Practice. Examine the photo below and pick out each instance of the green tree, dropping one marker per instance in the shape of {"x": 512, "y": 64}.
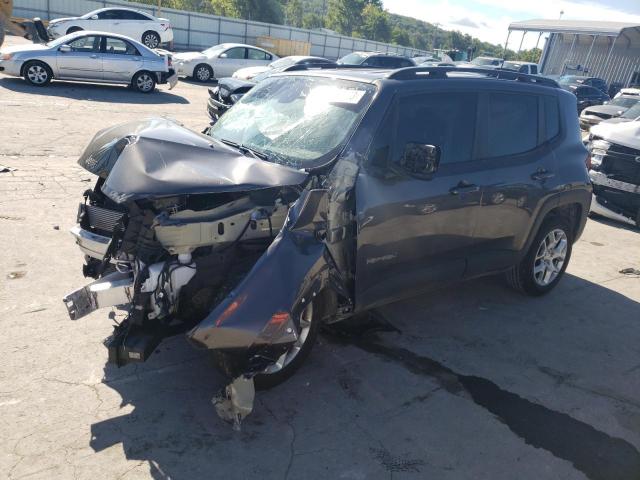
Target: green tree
{"x": 400, "y": 37}
{"x": 294, "y": 13}
{"x": 312, "y": 20}
{"x": 344, "y": 16}
{"x": 375, "y": 24}
{"x": 224, "y": 8}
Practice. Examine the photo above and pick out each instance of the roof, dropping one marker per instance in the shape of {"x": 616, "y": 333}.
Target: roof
{"x": 587, "y": 27}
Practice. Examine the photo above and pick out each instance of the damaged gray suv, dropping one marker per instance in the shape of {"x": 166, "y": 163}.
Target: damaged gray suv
{"x": 320, "y": 195}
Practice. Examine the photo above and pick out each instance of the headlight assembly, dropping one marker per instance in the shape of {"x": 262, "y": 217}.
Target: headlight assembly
{"x": 598, "y": 149}
{"x": 6, "y": 56}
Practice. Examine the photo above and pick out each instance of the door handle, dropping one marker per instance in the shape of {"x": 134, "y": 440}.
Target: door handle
{"x": 464, "y": 187}
{"x": 542, "y": 174}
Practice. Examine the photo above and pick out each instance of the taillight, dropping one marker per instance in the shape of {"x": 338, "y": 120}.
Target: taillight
{"x": 169, "y": 61}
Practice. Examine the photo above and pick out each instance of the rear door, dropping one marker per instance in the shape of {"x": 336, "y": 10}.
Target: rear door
{"x": 110, "y": 21}
{"x": 134, "y": 24}
{"x": 120, "y": 59}
{"x": 414, "y": 230}
{"x": 516, "y": 171}
{"x": 256, "y": 57}
{"x": 84, "y": 61}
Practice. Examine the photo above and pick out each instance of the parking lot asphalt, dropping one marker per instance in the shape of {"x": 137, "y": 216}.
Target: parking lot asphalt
{"x": 472, "y": 382}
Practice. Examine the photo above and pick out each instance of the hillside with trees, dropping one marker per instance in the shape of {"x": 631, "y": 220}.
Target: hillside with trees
{"x": 358, "y": 18}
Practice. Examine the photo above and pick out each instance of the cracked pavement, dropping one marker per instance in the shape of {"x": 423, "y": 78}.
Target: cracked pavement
{"x": 475, "y": 381}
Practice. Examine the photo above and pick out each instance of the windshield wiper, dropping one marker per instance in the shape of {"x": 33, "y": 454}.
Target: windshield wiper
{"x": 244, "y": 150}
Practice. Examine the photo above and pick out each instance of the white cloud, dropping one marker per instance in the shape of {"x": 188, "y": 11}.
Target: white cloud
{"x": 493, "y": 28}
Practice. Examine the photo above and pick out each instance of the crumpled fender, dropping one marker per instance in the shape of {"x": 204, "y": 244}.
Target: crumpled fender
{"x": 295, "y": 267}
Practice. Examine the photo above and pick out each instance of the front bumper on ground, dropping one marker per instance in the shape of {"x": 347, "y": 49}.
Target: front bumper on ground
{"x": 110, "y": 290}
{"x": 91, "y": 244}
{"x": 170, "y": 77}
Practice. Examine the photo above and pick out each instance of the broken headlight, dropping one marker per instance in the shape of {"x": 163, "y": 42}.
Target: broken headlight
{"x": 598, "y": 149}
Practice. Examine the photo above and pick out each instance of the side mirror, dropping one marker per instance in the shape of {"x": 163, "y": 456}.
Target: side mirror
{"x": 94, "y": 17}
{"x": 420, "y": 158}
{"x": 64, "y": 48}
{"x": 223, "y": 55}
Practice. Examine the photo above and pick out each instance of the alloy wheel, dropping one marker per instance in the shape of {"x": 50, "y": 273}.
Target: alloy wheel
{"x": 150, "y": 40}
{"x": 203, "y": 74}
{"x": 37, "y": 74}
{"x": 550, "y": 257}
{"x": 305, "y": 326}
{"x": 144, "y": 82}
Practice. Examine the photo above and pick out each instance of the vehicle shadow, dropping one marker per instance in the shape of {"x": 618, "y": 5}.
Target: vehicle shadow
{"x": 197, "y": 83}
{"x": 96, "y": 92}
{"x": 362, "y": 402}
{"x": 612, "y": 223}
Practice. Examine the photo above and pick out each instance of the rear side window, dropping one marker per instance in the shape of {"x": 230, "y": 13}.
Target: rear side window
{"x": 257, "y": 54}
{"x": 534, "y": 69}
{"x": 512, "y": 124}
{"x": 112, "y": 15}
{"x": 128, "y": 15}
{"x": 444, "y": 120}
{"x": 551, "y": 117}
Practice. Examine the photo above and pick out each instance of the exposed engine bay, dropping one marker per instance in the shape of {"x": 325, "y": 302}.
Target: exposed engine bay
{"x": 172, "y": 251}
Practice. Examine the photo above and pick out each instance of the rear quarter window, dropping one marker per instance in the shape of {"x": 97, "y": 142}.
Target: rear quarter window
{"x": 551, "y": 117}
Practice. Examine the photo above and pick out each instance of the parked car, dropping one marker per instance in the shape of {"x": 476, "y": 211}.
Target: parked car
{"x": 593, "y": 115}
{"x": 375, "y": 60}
{"x": 90, "y": 57}
{"x": 595, "y": 82}
{"x": 137, "y": 24}
{"x": 629, "y": 115}
{"x": 221, "y": 61}
{"x": 529, "y": 68}
{"x": 320, "y": 195}
{"x": 586, "y": 96}
{"x": 229, "y": 91}
{"x": 615, "y": 171}
{"x": 482, "y": 62}
{"x": 633, "y": 91}
{"x": 279, "y": 66}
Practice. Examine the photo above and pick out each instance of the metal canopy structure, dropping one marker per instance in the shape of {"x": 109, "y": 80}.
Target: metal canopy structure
{"x": 580, "y": 27}
{"x": 610, "y": 50}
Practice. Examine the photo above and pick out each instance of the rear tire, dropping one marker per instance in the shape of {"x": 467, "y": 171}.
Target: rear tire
{"x": 265, "y": 381}
{"x": 151, "y": 39}
{"x": 144, "y": 82}
{"x": 37, "y": 73}
{"x": 546, "y": 261}
{"x": 203, "y": 73}
{"x": 73, "y": 30}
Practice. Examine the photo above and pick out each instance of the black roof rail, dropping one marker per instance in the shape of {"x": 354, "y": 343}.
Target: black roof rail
{"x": 413, "y": 73}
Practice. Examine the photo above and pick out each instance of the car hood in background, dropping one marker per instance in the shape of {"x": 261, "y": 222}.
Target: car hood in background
{"x": 189, "y": 56}
{"x": 617, "y": 120}
{"x": 250, "y": 72}
{"x": 24, "y": 48}
{"x": 158, "y": 157}
{"x": 61, "y": 20}
{"x": 625, "y": 134}
{"x": 613, "y": 110}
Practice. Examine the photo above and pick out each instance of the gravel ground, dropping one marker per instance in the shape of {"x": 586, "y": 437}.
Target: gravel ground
{"x": 471, "y": 382}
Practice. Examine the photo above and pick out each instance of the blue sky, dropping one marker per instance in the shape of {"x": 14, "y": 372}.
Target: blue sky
{"x": 489, "y": 19}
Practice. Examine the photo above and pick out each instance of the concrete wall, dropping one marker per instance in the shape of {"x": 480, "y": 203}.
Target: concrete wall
{"x": 196, "y": 31}
{"x": 613, "y": 59}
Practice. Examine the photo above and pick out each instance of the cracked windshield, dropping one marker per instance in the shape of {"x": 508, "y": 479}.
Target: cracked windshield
{"x": 297, "y": 121}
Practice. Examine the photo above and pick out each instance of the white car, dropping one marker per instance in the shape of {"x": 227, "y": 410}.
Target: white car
{"x": 135, "y": 24}
{"x": 221, "y": 61}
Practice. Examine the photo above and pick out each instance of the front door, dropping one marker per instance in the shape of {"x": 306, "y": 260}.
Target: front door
{"x": 120, "y": 60}
{"x": 230, "y": 61}
{"x": 84, "y": 61}
{"x": 414, "y": 231}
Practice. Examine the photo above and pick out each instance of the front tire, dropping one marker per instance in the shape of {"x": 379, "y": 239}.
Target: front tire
{"x": 151, "y": 39}
{"x": 143, "y": 82}
{"x": 547, "y": 259}
{"x": 203, "y": 73}
{"x": 37, "y": 73}
{"x": 293, "y": 359}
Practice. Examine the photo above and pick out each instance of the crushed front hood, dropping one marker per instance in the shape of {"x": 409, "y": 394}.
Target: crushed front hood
{"x": 625, "y": 134}
{"x": 158, "y": 157}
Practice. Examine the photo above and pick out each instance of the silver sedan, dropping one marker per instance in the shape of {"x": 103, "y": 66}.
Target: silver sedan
{"x": 90, "y": 57}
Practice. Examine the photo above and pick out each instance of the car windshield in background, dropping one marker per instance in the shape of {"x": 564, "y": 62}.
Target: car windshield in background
{"x": 283, "y": 62}
{"x": 569, "y": 79}
{"x": 352, "y": 59}
{"x": 484, "y": 62}
{"x": 294, "y": 120}
{"x": 624, "y": 102}
{"x": 633, "y": 112}
{"x": 61, "y": 41}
